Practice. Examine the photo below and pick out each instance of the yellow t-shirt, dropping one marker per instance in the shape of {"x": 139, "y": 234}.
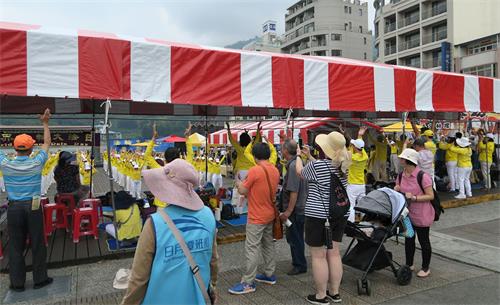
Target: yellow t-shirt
{"x": 272, "y": 159}
{"x": 394, "y": 149}
{"x": 242, "y": 161}
{"x": 380, "y": 149}
{"x": 486, "y": 150}
{"x": 430, "y": 145}
{"x": 357, "y": 168}
{"x": 450, "y": 155}
{"x": 464, "y": 156}
{"x": 129, "y": 222}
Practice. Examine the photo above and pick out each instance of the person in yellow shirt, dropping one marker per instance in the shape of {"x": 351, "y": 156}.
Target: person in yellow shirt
{"x": 379, "y": 170}
{"x": 128, "y": 219}
{"x": 356, "y": 187}
{"x": 429, "y": 144}
{"x": 486, "y": 147}
{"x": 2, "y": 184}
{"x": 464, "y": 162}
{"x": 48, "y": 173}
{"x": 151, "y": 163}
{"x": 243, "y": 163}
{"x": 451, "y": 162}
{"x": 135, "y": 176}
{"x": 216, "y": 175}
{"x": 395, "y": 163}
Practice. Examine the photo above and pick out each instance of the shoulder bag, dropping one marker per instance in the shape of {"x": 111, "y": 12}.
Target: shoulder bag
{"x": 277, "y": 225}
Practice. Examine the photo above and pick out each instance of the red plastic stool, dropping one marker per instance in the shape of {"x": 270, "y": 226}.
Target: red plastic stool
{"x": 44, "y": 201}
{"x": 61, "y": 221}
{"x": 90, "y": 228}
{"x": 94, "y": 203}
{"x": 68, "y": 200}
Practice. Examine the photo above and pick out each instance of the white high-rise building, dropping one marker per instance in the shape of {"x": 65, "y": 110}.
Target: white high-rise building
{"x": 268, "y": 42}
{"x": 328, "y": 28}
{"x": 450, "y": 35}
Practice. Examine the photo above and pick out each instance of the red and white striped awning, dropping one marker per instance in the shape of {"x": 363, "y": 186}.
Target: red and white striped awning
{"x": 271, "y": 129}
{"x": 46, "y": 62}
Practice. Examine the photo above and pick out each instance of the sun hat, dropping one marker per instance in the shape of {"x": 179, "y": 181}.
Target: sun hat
{"x": 358, "y": 143}
{"x": 23, "y": 142}
{"x": 121, "y": 279}
{"x": 410, "y": 155}
{"x": 331, "y": 143}
{"x": 463, "y": 142}
{"x": 174, "y": 184}
{"x": 490, "y": 135}
{"x": 428, "y": 133}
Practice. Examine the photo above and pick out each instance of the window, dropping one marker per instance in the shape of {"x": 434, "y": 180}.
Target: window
{"x": 412, "y": 61}
{"x": 350, "y": 26}
{"x": 336, "y": 37}
{"x": 346, "y": 9}
{"x": 365, "y": 56}
{"x": 439, "y": 32}
{"x": 483, "y": 70}
{"x": 364, "y": 40}
{"x": 309, "y": 28}
{"x": 361, "y": 29}
{"x": 484, "y": 46}
{"x": 336, "y": 52}
{"x": 360, "y": 12}
{"x": 350, "y": 11}
{"x": 345, "y": 26}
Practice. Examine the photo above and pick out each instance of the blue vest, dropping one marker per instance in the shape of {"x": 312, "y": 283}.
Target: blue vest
{"x": 171, "y": 280}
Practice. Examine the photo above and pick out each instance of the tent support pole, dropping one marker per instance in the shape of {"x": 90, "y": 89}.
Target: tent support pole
{"x": 92, "y": 157}
{"x": 206, "y": 144}
{"x": 110, "y": 170}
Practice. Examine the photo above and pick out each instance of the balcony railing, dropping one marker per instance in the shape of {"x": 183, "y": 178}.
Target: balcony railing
{"x": 390, "y": 50}
{"x": 436, "y": 36}
{"x": 434, "y": 11}
{"x": 318, "y": 43}
{"x": 414, "y": 64}
{"x": 433, "y": 62}
{"x": 409, "y": 44}
{"x": 389, "y": 27}
{"x": 408, "y": 21}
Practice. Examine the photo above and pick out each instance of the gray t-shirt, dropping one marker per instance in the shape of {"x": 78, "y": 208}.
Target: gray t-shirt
{"x": 293, "y": 183}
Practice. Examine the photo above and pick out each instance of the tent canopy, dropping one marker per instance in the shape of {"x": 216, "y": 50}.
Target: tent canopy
{"x": 174, "y": 139}
{"x": 197, "y": 139}
{"x": 398, "y": 127}
{"x": 141, "y": 144}
{"x": 61, "y": 63}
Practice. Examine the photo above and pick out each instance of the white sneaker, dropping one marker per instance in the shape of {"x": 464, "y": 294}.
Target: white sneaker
{"x": 460, "y": 197}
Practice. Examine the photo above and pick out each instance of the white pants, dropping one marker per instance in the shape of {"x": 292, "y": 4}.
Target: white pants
{"x": 2, "y": 185}
{"x": 485, "y": 169}
{"x": 464, "y": 180}
{"x": 202, "y": 178}
{"x": 238, "y": 200}
{"x": 354, "y": 191}
{"x": 451, "y": 167}
{"x": 217, "y": 181}
{"x": 105, "y": 166}
{"x": 395, "y": 163}
{"x": 110, "y": 229}
{"x": 379, "y": 170}
{"x": 136, "y": 189}
{"x": 114, "y": 173}
{"x": 45, "y": 184}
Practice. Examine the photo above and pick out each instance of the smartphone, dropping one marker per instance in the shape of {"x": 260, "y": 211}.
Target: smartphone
{"x": 301, "y": 144}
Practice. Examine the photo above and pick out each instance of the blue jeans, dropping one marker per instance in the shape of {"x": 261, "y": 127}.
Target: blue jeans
{"x": 295, "y": 238}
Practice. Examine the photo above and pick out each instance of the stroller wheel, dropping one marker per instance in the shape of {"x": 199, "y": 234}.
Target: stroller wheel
{"x": 360, "y": 287}
{"x": 404, "y": 275}
{"x": 364, "y": 287}
{"x": 368, "y": 288}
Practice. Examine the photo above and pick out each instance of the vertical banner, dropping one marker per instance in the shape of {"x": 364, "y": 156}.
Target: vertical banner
{"x": 445, "y": 56}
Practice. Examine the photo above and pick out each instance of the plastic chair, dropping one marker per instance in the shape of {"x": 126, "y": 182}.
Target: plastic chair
{"x": 89, "y": 214}
{"x": 61, "y": 221}
{"x": 95, "y": 203}
{"x": 68, "y": 200}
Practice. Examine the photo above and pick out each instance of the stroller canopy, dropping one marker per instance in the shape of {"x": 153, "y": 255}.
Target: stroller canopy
{"x": 384, "y": 202}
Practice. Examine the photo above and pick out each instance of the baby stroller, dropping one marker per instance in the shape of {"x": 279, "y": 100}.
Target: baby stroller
{"x": 384, "y": 210}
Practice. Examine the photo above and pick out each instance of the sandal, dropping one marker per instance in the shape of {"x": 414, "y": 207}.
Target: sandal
{"x": 423, "y": 273}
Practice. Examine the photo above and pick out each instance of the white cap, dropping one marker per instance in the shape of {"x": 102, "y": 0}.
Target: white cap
{"x": 392, "y": 142}
{"x": 490, "y": 135}
{"x": 358, "y": 143}
{"x": 463, "y": 142}
{"x": 87, "y": 166}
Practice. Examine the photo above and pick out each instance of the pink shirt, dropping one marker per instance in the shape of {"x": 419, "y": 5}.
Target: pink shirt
{"x": 421, "y": 213}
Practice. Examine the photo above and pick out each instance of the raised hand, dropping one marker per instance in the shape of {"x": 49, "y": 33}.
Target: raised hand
{"x": 45, "y": 117}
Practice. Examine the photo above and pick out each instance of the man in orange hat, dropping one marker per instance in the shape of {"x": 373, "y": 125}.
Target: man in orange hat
{"x": 23, "y": 179}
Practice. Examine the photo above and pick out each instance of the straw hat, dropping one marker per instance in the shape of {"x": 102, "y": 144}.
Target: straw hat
{"x": 121, "y": 279}
{"x": 463, "y": 142}
{"x": 332, "y": 144}
{"x": 410, "y": 155}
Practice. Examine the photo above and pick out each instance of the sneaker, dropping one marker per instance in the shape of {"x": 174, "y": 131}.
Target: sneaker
{"x": 423, "y": 273}
{"x": 460, "y": 197}
{"x": 242, "y": 288}
{"x": 334, "y": 298}
{"x": 469, "y": 196}
{"x": 261, "y": 278}
{"x": 313, "y": 300}
{"x": 48, "y": 281}
{"x": 296, "y": 271}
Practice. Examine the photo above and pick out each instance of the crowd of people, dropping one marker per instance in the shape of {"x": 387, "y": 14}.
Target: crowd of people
{"x": 165, "y": 257}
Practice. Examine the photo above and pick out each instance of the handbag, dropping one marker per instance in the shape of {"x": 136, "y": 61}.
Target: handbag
{"x": 277, "y": 224}
{"x": 195, "y": 269}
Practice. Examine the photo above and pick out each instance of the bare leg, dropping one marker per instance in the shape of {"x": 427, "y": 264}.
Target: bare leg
{"x": 320, "y": 270}
{"x": 335, "y": 267}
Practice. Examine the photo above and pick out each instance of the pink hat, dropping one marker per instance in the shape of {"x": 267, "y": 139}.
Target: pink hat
{"x": 174, "y": 184}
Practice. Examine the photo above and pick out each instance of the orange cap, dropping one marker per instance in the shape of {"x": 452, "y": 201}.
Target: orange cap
{"x": 23, "y": 142}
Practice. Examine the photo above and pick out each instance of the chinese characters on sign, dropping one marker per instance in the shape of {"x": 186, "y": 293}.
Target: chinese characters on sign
{"x": 59, "y": 137}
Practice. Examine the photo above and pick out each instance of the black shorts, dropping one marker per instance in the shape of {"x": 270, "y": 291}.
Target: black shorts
{"x": 315, "y": 231}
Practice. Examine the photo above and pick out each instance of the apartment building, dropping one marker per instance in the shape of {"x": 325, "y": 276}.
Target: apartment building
{"x": 328, "y": 28}
{"x": 436, "y": 34}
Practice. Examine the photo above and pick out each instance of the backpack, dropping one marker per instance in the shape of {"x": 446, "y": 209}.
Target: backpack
{"x": 436, "y": 202}
{"x": 339, "y": 200}
{"x": 228, "y": 212}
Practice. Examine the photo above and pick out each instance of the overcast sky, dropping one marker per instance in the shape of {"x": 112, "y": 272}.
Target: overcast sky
{"x": 206, "y": 22}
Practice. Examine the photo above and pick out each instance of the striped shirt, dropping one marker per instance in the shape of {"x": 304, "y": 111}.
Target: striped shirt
{"x": 318, "y": 174}
{"x": 23, "y": 175}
